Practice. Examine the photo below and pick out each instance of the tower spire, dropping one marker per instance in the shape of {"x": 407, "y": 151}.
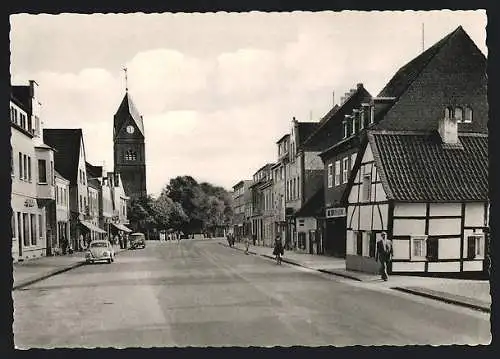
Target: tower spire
{"x": 126, "y": 79}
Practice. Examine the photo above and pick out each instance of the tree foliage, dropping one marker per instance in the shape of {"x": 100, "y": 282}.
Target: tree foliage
{"x": 184, "y": 205}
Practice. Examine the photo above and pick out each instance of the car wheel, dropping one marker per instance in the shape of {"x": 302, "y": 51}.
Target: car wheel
{"x": 109, "y": 261}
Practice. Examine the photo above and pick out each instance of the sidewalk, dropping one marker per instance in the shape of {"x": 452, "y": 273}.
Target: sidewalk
{"x": 464, "y": 292}
{"x": 34, "y": 270}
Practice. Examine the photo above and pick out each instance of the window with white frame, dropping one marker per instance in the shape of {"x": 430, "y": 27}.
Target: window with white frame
{"x": 372, "y": 114}
{"x": 367, "y": 187}
{"x": 418, "y": 248}
{"x": 337, "y": 173}
{"x": 468, "y": 114}
{"x": 354, "y": 124}
{"x": 330, "y": 175}
{"x": 345, "y": 169}
{"x": 345, "y": 128}
{"x": 459, "y": 114}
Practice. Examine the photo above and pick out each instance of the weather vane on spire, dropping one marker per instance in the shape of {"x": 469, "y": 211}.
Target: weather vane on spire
{"x": 126, "y": 79}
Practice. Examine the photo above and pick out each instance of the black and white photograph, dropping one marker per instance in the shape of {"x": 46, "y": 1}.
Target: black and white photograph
{"x": 237, "y": 179}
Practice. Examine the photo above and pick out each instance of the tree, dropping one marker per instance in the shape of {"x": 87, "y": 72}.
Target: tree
{"x": 140, "y": 213}
{"x": 169, "y": 214}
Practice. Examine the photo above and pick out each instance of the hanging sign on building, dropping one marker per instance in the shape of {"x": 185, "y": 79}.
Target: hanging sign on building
{"x": 335, "y": 212}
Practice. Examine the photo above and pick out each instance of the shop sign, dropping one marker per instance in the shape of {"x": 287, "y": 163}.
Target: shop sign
{"x": 29, "y": 202}
{"x": 335, "y": 212}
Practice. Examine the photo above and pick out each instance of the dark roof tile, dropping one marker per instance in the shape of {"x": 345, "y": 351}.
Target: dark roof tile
{"x": 417, "y": 167}
{"x": 66, "y": 142}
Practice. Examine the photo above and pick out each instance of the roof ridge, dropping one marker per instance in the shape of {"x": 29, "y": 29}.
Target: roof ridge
{"x": 432, "y": 51}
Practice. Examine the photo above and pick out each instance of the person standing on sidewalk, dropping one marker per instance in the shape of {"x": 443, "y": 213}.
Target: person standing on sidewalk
{"x": 384, "y": 254}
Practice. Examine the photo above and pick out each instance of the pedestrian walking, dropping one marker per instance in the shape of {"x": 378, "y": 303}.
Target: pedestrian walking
{"x": 384, "y": 254}
{"x": 278, "y": 250}
{"x": 247, "y": 244}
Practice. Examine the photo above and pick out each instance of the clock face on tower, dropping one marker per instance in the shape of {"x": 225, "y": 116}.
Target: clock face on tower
{"x": 130, "y": 129}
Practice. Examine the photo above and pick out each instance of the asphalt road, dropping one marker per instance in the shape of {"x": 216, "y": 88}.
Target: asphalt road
{"x": 199, "y": 293}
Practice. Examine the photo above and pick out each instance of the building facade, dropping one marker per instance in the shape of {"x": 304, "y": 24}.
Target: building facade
{"x": 70, "y": 162}
{"x": 415, "y": 98}
{"x": 337, "y": 139}
{"x": 32, "y": 171}
{"x": 303, "y": 177}
{"x": 242, "y": 209}
{"x": 62, "y": 213}
{"x": 129, "y": 148}
{"x": 429, "y": 191}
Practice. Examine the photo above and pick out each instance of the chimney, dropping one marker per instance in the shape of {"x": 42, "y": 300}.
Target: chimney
{"x": 359, "y": 86}
{"x": 448, "y": 130}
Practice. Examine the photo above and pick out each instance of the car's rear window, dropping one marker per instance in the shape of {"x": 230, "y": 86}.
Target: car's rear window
{"x": 99, "y": 244}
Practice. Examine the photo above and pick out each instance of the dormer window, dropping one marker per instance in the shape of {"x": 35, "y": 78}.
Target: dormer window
{"x": 354, "y": 124}
{"x": 372, "y": 115}
{"x": 459, "y": 114}
{"x": 448, "y": 112}
{"x": 345, "y": 132}
{"x": 468, "y": 114}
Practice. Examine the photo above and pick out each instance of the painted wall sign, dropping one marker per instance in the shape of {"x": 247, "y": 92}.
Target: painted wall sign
{"x": 335, "y": 212}
{"x": 30, "y": 202}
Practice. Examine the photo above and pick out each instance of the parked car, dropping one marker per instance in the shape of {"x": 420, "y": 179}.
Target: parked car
{"x": 137, "y": 240}
{"x": 100, "y": 250}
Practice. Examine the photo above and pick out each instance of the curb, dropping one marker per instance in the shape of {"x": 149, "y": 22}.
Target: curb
{"x": 47, "y": 275}
{"x": 52, "y": 273}
{"x": 326, "y": 271}
{"x": 448, "y": 300}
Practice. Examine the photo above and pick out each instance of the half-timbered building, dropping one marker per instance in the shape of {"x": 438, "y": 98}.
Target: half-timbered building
{"x": 429, "y": 191}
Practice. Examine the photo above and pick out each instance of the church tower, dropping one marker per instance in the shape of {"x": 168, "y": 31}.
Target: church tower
{"x": 129, "y": 148}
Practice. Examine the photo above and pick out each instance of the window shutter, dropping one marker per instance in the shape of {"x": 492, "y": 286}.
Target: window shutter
{"x": 471, "y": 247}
{"x": 373, "y": 244}
{"x": 432, "y": 249}
{"x": 359, "y": 243}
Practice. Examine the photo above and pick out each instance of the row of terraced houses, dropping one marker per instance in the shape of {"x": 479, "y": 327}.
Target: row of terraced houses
{"x": 58, "y": 198}
{"x": 411, "y": 161}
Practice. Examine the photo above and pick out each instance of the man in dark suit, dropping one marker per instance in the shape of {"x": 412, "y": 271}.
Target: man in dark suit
{"x": 384, "y": 254}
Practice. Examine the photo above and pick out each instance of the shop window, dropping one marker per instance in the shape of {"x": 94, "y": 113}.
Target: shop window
{"x": 13, "y": 225}
{"x": 26, "y": 229}
{"x": 19, "y": 227}
{"x": 432, "y": 248}
{"x": 40, "y": 226}
{"x": 418, "y": 247}
{"x": 33, "y": 229}
{"x": 475, "y": 246}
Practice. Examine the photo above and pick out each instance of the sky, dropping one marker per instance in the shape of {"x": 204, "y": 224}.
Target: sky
{"x": 216, "y": 90}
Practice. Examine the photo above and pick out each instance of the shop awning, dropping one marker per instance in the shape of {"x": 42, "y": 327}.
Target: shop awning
{"x": 122, "y": 227}
{"x": 92, "y": 227}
